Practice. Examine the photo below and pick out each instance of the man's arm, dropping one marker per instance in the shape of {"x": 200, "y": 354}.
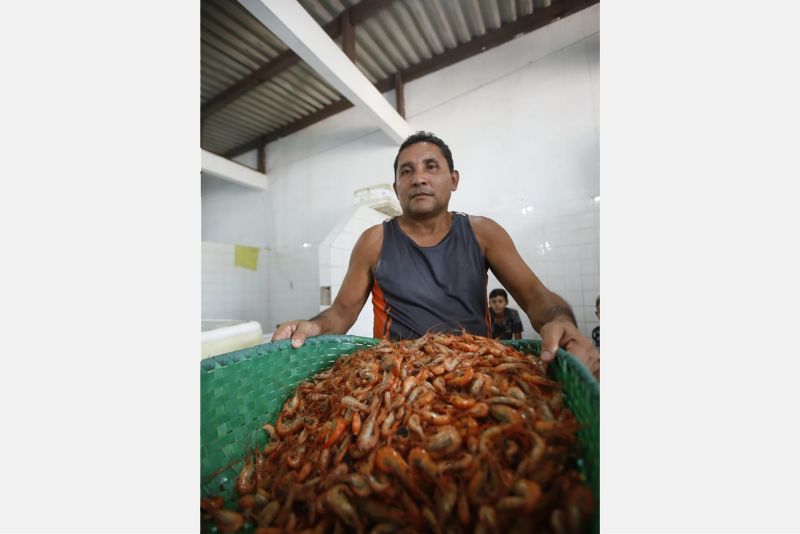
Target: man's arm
{"x": 549, "y": 314}
{"x": 348, "y": 302}
{"x": 516, "y": 326}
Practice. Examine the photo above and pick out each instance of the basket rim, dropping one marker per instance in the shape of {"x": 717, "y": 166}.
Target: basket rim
{"x": 229, "y": 358}
{"x": 565, "y": 358}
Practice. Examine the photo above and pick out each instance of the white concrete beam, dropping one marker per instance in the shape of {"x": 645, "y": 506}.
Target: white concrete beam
{"x": 233, "y": 172}
{"x": 294, "y": 26}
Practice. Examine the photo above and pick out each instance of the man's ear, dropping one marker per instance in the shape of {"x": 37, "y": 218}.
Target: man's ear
{"x": 394, "y": 186}
{"x": 453, "y": 180}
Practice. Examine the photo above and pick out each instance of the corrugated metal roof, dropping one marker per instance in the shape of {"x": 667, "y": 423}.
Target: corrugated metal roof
{"x": 398, "y": 36}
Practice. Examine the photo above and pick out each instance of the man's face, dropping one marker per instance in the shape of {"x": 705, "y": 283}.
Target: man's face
{"x": 498, "y": 303}
{"x": 423, "y": 182}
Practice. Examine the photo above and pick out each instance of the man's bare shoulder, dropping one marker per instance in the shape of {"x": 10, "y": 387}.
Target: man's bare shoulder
{"x": 372, "y": 236}
{"x": 484, "y": 227}
{"x": 369, "y": 243}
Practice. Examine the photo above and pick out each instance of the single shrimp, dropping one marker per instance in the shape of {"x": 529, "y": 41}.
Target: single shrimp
{"x": 438, "y": 369}
{"x": 245, "y": 481}
{"x": 477, "y": 385}
{"x": 390, "y": 363}
{"x": 382, "y": 513}
{"x": 246, "y": 502}
{"x": 209, "y": 504}
{"x": 356, "y": 424}
{"x": 446, "y": 440}
{"x": 480, "y": 409}
{"x": 377, "y": 485}
{"x": 536, "y": 380}
{"x": 437, "y": 419}
{"x": 352, "y": 402}
{"x": 368, "y": 437}
{"x": 459, "y": 377}
{"x": 460, "y": 402}
{"x": 386, "y": 427}
{"x": 490, "y": 434}
{"x": 445, "y": 497}
{"x": 359, "y": 484}
{"x": 408, "y": 385}
{"x": 303, "y": 436}
{"x": 304, "y": 472}
{"x": 271, "y": 432}
{"x": 261, "y": 499}
{"x": 451, "y": 363}
{"x": 466, "y": 347}
{"x": 389, "y": 461}
{"x": 511, "y": 401}
{"x": 463, "y": 508}
{"x": 488, "y": 517}
{"x": 335, "y": 434}
{"x": 503, "y": 367}
{"x": 336, "y": 499}
{"x": 295, "y": 456}
{"x": 228, "y": 520}
{"x": 422, "y": 462}
{"x": 516, "y": 393}
{"x": 324, "y": 459}
{"x": 268, "y": 514}
{"x": 525, "y": 496}
{"x": 291, "y": 406}
{"x": 287, "y": 429}
{"x": 461, "y": 464}
{"x": 344, "y": 447}
{"x": 579, "y": 507}
{"x": 430, "y": 517}
{"x": 415, "y": 426}
{"x": 506, "y": 414}
{"x": 414, "y": 394}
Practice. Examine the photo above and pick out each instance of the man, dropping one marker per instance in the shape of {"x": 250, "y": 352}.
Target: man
{"x": 505, "y": 321}
{"x": 426, "y": 268}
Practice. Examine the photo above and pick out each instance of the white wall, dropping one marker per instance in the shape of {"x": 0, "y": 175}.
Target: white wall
{"x": 234, "y": 214}
{"x": 334, "y": 257}
{"x": 231, "y": 292}
{"x": 522, "y": 122}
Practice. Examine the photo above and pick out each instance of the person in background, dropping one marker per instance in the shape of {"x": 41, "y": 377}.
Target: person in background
{"x": 596, "y": 330}
{"x": 427, "y": 268}
{"x": 506, "y": 323}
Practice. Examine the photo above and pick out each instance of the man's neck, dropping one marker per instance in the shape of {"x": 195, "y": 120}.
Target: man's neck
{"x": 434, "y": 226}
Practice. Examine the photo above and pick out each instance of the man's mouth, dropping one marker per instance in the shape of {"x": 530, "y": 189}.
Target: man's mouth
{"x": 415, "y": 195}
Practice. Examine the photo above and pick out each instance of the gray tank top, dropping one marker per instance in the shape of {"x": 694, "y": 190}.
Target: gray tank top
{"x": 440, "y": 288}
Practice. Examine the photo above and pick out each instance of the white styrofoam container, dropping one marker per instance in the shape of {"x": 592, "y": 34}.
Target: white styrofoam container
{"x": 224, "y": 335}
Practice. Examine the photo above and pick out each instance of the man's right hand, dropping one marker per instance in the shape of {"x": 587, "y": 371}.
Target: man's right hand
{"x": 298, "y": 331}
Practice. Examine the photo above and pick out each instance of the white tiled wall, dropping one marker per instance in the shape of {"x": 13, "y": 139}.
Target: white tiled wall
{"x": 231, "y": 292}
{"x": 564, "y": 255}
{"x": 522, "y": 122}
{"x": 293, "y": 283}
{"x": 334, "y": 257}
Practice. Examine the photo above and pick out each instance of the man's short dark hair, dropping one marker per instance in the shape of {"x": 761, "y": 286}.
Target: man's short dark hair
{"x": 498, "y": 293}
{"x": 425, "y": 137}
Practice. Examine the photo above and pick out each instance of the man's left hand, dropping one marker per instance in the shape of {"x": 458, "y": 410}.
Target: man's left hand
{"x": 566, "y": 335}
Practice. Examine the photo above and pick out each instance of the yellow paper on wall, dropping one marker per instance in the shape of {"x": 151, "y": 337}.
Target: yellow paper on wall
{"x": 246, "y": 257}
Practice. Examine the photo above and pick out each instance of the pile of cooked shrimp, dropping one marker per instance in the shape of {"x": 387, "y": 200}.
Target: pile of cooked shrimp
{"x": 444, "y": 434}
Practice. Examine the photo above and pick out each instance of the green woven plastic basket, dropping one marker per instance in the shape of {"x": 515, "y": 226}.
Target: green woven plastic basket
{"x": 242, "y": 390}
